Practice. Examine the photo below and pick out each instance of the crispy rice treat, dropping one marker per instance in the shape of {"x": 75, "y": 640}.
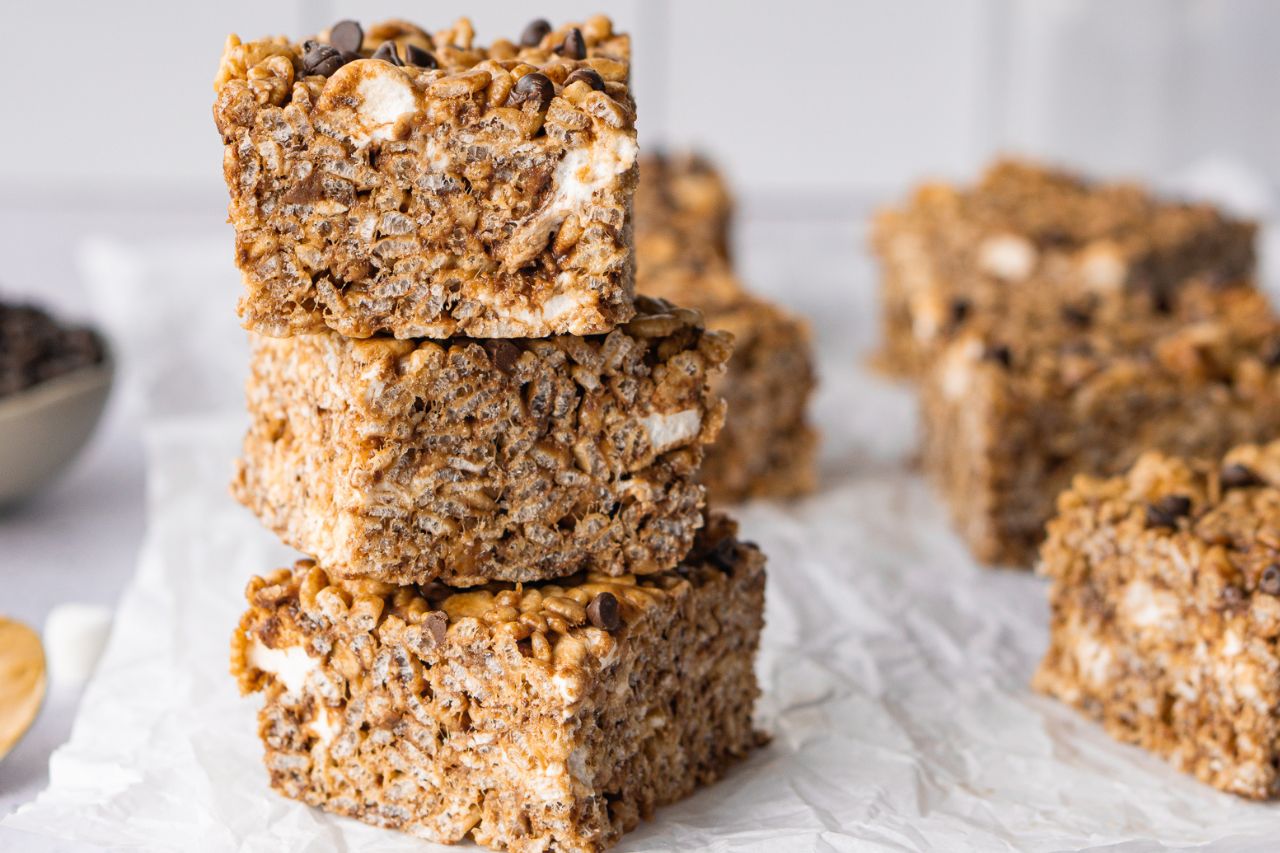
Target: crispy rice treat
{"x": 468, "y": 461}
{"x": 767, "y": 447}
{"x": 542, "y": 717}
{"x": 683, "y": 216}
{"x": 1009, "y": 420}
{"x": 1166, "y": 611}
{"x": 1027, "y": 234}
{"x": 394, "y": 181}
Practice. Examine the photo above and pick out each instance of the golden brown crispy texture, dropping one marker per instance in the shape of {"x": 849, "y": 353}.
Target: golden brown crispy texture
{"x": 528, "y": 717}
{"x": 1166, "y": 611}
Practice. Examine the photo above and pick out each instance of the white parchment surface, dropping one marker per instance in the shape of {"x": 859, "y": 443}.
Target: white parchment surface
{"x": 894, "y": 670}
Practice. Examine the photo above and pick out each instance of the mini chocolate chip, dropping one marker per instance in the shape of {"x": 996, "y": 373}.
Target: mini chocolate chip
{"x": 346, "y": 36}
{"x": 437, "y": 625}
{"x": 575, "y": 46}
{"x": 1237, "y": 476}
{"x": 999, "y": 353}
{"x": 1077, "y": 316}
{"x": 603, "y": 612}
{"x": 536, "y": 87}
{"x": 321, "y": 59}
{"x": 1167, "y": 510}
{"x": 1270, "y": 581}
{"x": 414, "y": 55}
{"x": 504, "y": 354}
{"x": 724, "y": 556}
{"x": 1270, "y": 353}
{"x": 387, "y": 53}
{"x": 535, "y": 32}
{"x": 1078, "y": 347}
{"x": 960, "y": 309}
{"x": 1162, "y": 302}
{"x": 588, "y": 76}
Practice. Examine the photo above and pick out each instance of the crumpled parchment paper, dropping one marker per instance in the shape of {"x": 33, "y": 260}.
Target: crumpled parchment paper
{"x": 894, "y": 670}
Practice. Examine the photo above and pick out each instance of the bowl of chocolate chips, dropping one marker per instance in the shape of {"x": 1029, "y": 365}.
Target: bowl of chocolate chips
{"x": 54, "y": 382}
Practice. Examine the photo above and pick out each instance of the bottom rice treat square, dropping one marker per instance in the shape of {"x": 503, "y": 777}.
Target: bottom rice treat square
{"x": 546, "y": 716}
{"x": 1166, "y": 611}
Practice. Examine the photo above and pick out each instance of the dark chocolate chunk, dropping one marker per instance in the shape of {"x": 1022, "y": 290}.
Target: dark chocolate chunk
{"x": 416, "y": 56}
{"x": 504, "y": 354}
{"x": 724, "y": 556}
{"x": 346, "y": 36}
{"x": 534, "y": 86}
{"x": 1237, "y": 476}
{"x": 34, "y": 347}
{"x": 437, "y": 625}
{"x": 960, "y": 310}
{"x": 1166, "y": 511}
{"x": 575, "y": 46}
{"x": 1270, "y": 580}
{"x": 321, "y": 59}
{"x": 603, "y": 611}
{"x": 387, "y": 53}
{"x": 588, "y": 76}
{"x": 1077, "y": 316}
{"x": 535, "y": 32}
{"x": 1270, "y": 353}
{"x": 999, "y": 353}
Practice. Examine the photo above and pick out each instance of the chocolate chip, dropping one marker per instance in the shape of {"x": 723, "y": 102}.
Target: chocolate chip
{"x": 1270, "y": 353}
{"x": 1270, "y": 580}
{"x": 416, "y": 56}
{"x": 437, "y": 625}
{"x": 1162, "y": 302}
{"x": 535, "y": 87}
{"x": 1166, "y": 511}
{"x": 535, "y": 32}
{"x": 724, "y": 556}
{"x": 960, "y": 310}
{"x": 1077, "y": 316}
{"x": 603, "y": 612}
{"x": 575, "y": 46}
{"x": 1237, "y": 476}
{"x": 34, "y": 347}
{"x": 346, "y": 36}
{"x": 588, "y": 76}
{"x": 321, "y": 59}
{"x": 387, "y": 53}
{"x": 999, "y": 353}
{"x": 504, "y": 354}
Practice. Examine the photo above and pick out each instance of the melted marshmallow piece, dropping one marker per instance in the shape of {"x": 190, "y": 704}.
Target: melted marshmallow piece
{"x": 74, "y": 637}
{"x": 579, "y": 176}
{"x": 671, "y": 430}
{"x": 290, "y": 665}
{"x": 364, "y": 100}
{"x": 1007, "y": 256}
{"x": 1103, "y": 267}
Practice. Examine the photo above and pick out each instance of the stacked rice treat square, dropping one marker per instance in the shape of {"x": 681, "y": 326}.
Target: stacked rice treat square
{"x": 519, "y": 623}
{"x": 767, "y": 448}
{"x": 1099, "y": 378}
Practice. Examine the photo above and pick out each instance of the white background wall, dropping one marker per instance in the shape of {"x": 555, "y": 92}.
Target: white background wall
{"x": 112, "y": 99}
